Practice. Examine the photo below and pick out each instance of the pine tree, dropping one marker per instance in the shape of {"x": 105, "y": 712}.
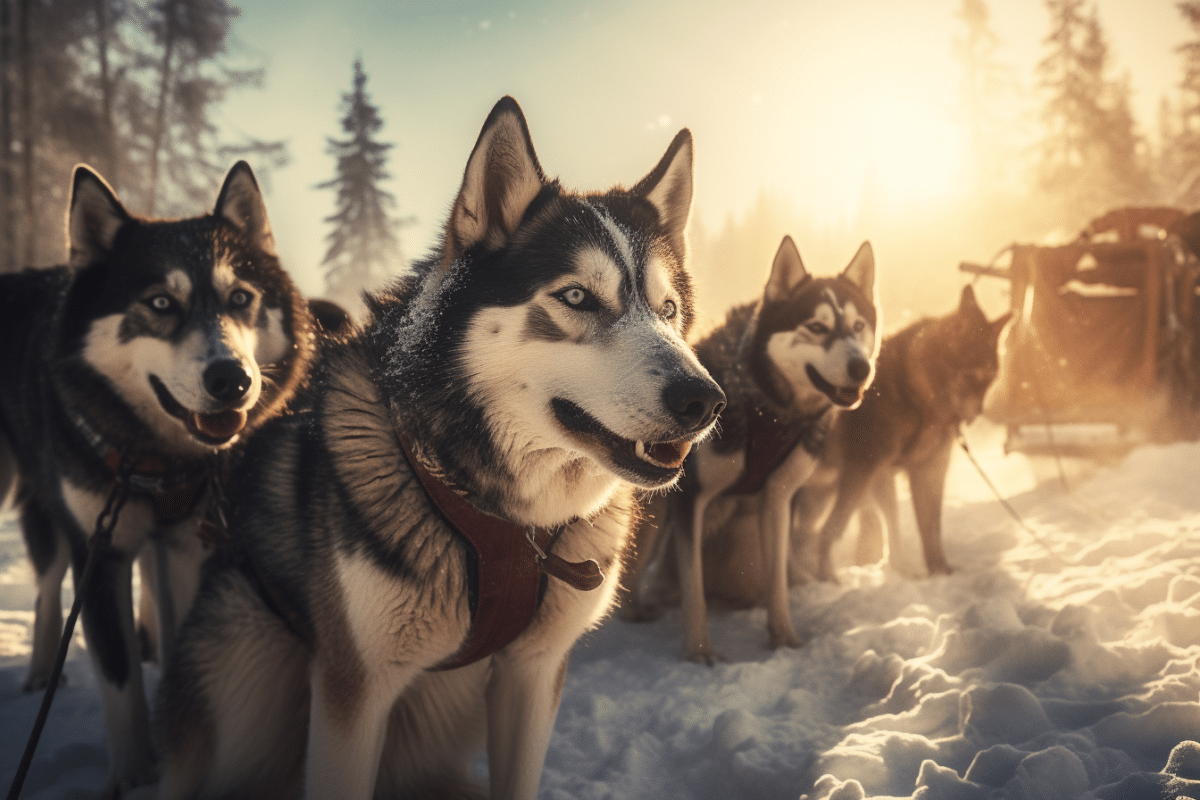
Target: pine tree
{"x": 169, "y": 111}
{"x": 1180, "y": 137}
{"x": 363, "y": 246}
{"x": 1091, "y": 154}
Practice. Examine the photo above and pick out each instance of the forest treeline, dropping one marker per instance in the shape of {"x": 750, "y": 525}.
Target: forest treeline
{"x": 1047, "y": 152}
{"x": 128, "y": 87}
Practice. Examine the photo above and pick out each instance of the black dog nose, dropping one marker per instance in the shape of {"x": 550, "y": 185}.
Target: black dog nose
{"x": 859, "y": 369}
{"x": 226, "y": 380}
{"x": 694, "y": 401}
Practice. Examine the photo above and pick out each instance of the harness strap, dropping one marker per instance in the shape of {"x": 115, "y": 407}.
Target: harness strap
{"x": 173, "y": 492}
{"x": 511, "y": 564}
{"x": 768, "y": 443}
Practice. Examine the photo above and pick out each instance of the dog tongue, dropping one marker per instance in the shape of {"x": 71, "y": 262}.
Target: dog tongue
{"x": 222, "y": 425}
{"x": 669, "y": 453}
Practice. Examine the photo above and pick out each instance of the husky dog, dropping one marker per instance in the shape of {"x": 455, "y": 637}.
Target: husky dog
{"x": 513, "y": 390}
{"x": 787, "y": 363}
{"x": 930, "y": 379}
{"x": 158, "y": 347}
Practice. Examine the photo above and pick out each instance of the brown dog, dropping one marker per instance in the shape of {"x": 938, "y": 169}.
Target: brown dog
{"x": 931, "y": 378}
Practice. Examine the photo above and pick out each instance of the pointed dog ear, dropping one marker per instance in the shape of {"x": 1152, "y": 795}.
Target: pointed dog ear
{"x": 502, "y": 178}
{"x": 241, "y": 203}
{"x": 787, "y": 271}
{"x": 668, "y": 187}
{"x": 94, "y": 216}
{"x": 861, "y": 270}
{"x": 967, "y": 298}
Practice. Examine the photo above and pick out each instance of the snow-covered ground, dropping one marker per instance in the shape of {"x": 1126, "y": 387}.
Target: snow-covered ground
{"x": 1059, "y": 663}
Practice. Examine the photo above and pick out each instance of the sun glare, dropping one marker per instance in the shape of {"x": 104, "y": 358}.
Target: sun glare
{"x": 915, "y": 157}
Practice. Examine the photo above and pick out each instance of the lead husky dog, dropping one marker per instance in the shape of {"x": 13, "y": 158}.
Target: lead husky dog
{"x": 163, "y": 343}
{"x": 787, "y": 362}
{"x": 535, "y": 369}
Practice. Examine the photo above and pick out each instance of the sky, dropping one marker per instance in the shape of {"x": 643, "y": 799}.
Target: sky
{"x": 805, "y": 100}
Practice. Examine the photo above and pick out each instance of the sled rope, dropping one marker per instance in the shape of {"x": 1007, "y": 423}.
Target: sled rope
{"x": 105, "y": 523}
{"x": 1012, "y": 512}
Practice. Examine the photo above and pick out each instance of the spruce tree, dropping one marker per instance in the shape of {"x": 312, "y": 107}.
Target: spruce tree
{"x": 1090, "y": 156}
{"x": 363, "y": 246}
{"x": 1180, "y": 135}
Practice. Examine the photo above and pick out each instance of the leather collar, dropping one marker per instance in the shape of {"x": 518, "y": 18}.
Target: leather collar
{"x": 173, "y": 490}
{"x": 511, "y": 562}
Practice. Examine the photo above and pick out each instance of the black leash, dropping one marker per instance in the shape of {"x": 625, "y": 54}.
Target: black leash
{"x": 101, "y": 539}
{"x": 1012, "y": 512}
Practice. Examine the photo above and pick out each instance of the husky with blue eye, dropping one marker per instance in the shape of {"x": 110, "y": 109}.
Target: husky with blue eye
{"x": 162, "y": 344}
{"x": 419, "y": 546}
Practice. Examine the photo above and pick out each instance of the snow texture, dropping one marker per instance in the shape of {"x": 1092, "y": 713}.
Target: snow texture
{"x": 1059, "y": 661}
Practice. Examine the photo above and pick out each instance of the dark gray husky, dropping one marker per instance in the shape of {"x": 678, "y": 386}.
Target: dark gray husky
{"x": 163, "y": 343}
{"x": 507, "y": 396}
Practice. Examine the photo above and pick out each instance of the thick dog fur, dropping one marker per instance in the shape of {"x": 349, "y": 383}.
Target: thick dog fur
{"x": 158, "y": 339}
{"x": 930, "y": 379}
{"x": 797, "y": 355}
{"x": 537, "y": 361}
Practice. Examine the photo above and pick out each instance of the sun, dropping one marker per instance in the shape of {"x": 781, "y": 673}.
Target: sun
{"x": 915, "y": 157}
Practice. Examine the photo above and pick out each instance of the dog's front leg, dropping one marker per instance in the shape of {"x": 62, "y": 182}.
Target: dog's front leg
{"x": 523, "y": 693}
{"x": 775, "y": 516}
{"x": 50, "y": 553}
{"x": 774, "y": 521}
{"x": 928, "y": 482}
{"x": 348, "y": 719}
{"x": 689, "y": 528}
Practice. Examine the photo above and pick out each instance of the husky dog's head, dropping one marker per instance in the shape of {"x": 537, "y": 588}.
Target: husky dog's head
{"x": 542, "y": 351}
{"x": 965, "y": 361}
{"x": 814, "y": 339}
{"x": 189, "y": 329}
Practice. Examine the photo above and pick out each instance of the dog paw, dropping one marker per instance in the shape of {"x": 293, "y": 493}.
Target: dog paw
{"x": 939, "y": 569}
{"x": 787, "y": 638}
{"x": 704, "y": 654}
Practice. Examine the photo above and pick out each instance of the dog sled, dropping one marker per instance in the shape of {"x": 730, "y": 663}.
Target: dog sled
{"x": 1101, "y": 354}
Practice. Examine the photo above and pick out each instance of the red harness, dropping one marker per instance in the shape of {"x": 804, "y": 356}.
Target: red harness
{"x": 511, "y": 562}
{"x": 769, "y": 442}
{"x": 173, "y": 492}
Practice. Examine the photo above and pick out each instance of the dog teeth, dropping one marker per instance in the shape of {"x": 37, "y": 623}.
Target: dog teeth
{"x": 677, "y": 451}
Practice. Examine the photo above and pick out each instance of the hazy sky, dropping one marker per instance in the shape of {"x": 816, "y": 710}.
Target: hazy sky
{"x": 802, "y": 99}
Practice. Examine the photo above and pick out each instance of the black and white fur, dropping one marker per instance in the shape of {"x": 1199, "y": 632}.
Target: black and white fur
{"x": 804, "y": 350}
{"x": 169, "y": 341}
{"x": 537, "y": 361}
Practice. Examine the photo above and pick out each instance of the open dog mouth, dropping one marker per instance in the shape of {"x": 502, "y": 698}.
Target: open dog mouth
{"x": 844, "y": 396}
{"x": 652, "y": 463}
{"x": 217, "y": 428}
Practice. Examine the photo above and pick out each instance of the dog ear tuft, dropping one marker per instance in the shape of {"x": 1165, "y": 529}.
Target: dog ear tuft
{"x": 502, "y": 178}
{"x": 787, "y": 271}
{"x": 94, "y": 217}
{"x": 241, "y": 203}
{"x": 668, "y": 187}
{"x": 861, "y": 270}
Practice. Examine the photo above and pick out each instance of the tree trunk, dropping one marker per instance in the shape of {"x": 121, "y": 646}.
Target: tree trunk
{"x": 7, "y": 241}
{"x": 164, "y": 93}
{"x": 108, "y": 143}
{"x": 29, "y": 215}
